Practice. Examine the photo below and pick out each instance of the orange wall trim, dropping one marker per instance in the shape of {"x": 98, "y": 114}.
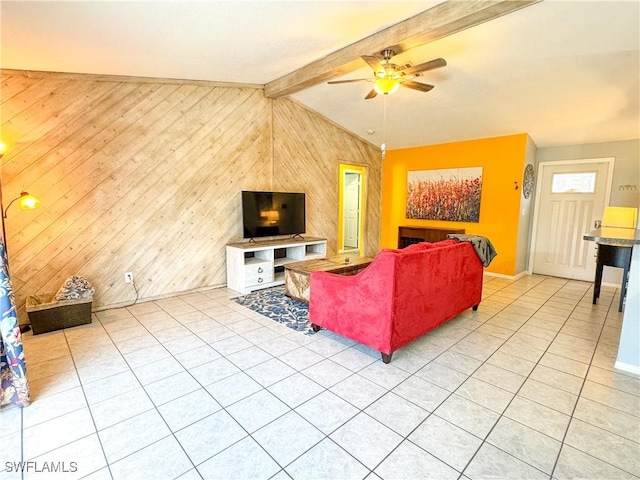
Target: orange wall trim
{"x": 502, "y": 161}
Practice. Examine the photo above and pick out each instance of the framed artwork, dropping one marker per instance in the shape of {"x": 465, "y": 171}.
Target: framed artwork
{"x": 451, "y": 194}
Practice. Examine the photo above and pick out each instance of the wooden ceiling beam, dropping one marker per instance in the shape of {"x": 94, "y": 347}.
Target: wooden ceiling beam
{"x": 444, "y": 19}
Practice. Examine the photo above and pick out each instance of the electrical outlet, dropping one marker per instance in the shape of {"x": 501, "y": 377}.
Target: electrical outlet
{"x": 128, "y": 277}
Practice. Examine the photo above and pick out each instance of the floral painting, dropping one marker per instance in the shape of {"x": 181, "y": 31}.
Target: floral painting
{"x": 451, "y": 194}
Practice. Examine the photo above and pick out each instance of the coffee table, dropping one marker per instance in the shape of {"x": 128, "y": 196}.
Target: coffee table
{"x": 297, "y": 275}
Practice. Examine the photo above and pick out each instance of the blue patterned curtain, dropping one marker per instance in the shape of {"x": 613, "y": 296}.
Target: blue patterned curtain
{"x": 14, "y": 387}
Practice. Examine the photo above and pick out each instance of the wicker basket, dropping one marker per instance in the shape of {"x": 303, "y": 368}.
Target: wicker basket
{"x": 46, "y": 314}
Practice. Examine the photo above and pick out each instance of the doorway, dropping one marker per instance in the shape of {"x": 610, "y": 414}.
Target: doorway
{"x": 351, "y": 208}
{"x": 571, "y": 196}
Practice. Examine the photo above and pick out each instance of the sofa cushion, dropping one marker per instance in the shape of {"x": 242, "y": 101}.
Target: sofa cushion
{"x": 419, "y": 247}
{"x": 416, "y": 247}
{"x": 441, "y": 243}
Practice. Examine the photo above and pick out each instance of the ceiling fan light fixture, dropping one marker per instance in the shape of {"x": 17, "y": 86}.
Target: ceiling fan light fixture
{"x": 386, "y": 86}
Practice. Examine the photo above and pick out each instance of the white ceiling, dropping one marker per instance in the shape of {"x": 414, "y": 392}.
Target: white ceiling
{"x": 566, "y": 72}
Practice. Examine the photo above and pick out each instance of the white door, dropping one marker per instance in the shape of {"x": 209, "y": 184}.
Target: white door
{"x": 351, "y": 209}
{"x": 571, "y": 196}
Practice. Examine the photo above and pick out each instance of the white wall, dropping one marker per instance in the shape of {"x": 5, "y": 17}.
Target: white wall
{"x": 625, "y": 189}
{"x": 525, "y": 219}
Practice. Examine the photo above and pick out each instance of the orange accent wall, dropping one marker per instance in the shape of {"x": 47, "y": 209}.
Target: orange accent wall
{"x": 502, "y": 161}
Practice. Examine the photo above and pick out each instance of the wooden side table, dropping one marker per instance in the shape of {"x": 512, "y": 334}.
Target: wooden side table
{"x": 297, "y": 276}
{"x": 408, "y": 235}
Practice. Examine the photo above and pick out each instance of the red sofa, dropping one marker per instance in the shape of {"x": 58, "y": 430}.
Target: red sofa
{"x": 400, "y": 296}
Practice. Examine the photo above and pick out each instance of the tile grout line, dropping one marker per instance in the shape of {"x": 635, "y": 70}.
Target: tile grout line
{"x": 452, "y": 393}
{"x": 528, "y": 376}
{"x": 291, "y": 409}
{"x": 362, "y": 410}
{"x": 584, "y": 381}
{"x": 203, "y": 387}
{"x": 222, "y": 408}
{"x": 352, "y": 373}
{"x": 93, "y": 421}
{"x": 501, "y": 415}
{"x": 156, "y": 407}
{"x": 406, "y": 438}
{"x": 578, "y": 395}
{"x": 484, "y": 440}
{"x": 22, "y": 428}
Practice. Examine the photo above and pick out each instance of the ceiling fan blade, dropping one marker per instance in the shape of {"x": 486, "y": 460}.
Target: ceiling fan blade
{"x": 348, "y": 81}
{"x": 371, "y": 94}
{"x": 423, "y": 67}
{"x": 373, "y": 62}
{"x": 422, "y": 87}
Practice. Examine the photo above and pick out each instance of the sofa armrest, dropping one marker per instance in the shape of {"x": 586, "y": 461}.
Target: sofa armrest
{"x": 358, "y": 306}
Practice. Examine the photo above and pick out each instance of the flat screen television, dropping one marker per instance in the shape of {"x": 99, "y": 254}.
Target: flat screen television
{"x": 268, "y": 214}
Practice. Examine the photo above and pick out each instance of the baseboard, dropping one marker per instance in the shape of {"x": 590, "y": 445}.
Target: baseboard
{"x": 627, "y": 367}
{"x": 523, "y": 274}
{"x": 607, "y": 284}
{"x": 157, "y": 297}
{"x": 508, "y": 277}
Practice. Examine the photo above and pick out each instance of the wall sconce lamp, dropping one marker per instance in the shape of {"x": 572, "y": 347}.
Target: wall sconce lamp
{"x": 7, "y": 138}
{"x": 27, "y": 202}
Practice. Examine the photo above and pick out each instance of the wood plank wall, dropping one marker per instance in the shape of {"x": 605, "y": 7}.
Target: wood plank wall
{"x": 307, "y": 152}
{"x": 145, "y": 176}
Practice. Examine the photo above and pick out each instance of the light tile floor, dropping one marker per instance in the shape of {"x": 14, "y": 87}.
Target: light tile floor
{"x": 196, "y": 386}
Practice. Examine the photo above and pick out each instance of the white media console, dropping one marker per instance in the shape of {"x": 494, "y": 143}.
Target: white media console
{"x": 255, "y": 265}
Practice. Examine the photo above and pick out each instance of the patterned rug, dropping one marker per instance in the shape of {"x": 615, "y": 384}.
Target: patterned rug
{"x": 274, "y": 304}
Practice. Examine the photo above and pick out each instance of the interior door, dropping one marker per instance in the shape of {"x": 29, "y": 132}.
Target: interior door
{"x": 351, "y": 210}
{"x": 571, "y": 196}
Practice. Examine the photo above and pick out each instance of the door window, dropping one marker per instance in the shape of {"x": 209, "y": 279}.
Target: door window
{"x": 582, "y": 182}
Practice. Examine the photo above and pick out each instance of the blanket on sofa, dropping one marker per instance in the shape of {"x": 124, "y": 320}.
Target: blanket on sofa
{"x": 482, "y": 245}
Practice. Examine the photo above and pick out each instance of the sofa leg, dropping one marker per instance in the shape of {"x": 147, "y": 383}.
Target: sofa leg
{"x": 315, "y": 328}
{"x": 386, "y": 357}
{"x": 475, "y": 307}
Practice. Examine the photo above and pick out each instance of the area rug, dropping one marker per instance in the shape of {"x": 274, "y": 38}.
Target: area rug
{"x": 274, "y": 304}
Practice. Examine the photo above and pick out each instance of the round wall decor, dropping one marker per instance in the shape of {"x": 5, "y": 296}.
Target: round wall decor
{"x": 528, "y": 181}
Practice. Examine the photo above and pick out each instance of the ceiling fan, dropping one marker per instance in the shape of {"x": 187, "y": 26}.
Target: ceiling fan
{"x": 389, "y": 76}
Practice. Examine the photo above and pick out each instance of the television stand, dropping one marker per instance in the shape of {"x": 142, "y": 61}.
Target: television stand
{"x": 297, "y": 235}
{"x": 260, "y": 264}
